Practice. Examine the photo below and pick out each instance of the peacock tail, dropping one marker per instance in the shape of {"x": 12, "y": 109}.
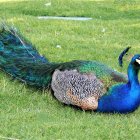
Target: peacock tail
{"x": 20, "y": 59}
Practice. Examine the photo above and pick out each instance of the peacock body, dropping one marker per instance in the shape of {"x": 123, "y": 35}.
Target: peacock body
{"x": 87, "y": 84}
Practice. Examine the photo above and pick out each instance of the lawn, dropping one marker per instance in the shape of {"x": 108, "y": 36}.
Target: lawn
{"x": 31, "y": 114}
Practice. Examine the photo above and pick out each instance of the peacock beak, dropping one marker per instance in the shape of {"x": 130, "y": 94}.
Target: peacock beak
{"x": 138, "y": 61}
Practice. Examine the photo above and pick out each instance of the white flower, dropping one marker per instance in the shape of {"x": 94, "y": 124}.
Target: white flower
{"x": 48, "y": 4}
{"x": 58, "y": 46}
{"x": 103, "y": 30}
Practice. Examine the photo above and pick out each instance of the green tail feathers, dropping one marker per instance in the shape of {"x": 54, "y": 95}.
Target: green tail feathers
{"x": 20, "y": 59}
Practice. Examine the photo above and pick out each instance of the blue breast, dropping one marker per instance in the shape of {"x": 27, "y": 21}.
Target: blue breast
{"x": 120, "y": 99}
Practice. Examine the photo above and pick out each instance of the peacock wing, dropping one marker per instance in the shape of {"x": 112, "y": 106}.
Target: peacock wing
{"x": 72, "y": 87}
{"x": 107, "y": 75}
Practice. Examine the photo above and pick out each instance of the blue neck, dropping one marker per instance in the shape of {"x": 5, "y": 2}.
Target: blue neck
{"x": 133, "y": 76}
{"x": 122, "y": 98}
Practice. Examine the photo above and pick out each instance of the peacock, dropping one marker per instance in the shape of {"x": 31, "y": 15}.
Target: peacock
{"x": 89, "y": 85}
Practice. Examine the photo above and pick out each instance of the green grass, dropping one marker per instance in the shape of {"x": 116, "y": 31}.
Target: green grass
{"x": 27, "y": 113}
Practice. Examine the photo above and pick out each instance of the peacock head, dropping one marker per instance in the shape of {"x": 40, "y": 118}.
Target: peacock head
{"x": 135, "y": 61}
